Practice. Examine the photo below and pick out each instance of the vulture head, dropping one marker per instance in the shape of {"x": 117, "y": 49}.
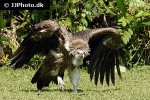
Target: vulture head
{"x": 78, "y": 50}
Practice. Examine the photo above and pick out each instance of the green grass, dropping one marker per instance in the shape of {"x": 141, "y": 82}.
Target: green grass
{"x": 16, "y": 85}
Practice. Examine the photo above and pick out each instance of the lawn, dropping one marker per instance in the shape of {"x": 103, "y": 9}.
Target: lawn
{"x": 15, "y": 85}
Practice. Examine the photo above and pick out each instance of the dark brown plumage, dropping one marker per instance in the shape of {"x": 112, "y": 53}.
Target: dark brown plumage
{"x": 64, "y": 50}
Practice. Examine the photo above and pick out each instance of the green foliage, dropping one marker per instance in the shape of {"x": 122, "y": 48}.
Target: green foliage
{"x": 130, "y": 17}
{"x": 3, "y": 23}
{"x": 121, "y": 5}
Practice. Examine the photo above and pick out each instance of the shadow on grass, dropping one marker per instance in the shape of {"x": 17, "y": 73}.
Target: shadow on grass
{"x": 41, "y": 92}
{"x": 51, "y": 90}
{"x": 103, "y": 90}
{"x": 80, "y": 91}
{"x": 111, "y": 89}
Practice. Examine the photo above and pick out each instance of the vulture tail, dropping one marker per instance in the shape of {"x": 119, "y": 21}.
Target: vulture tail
{"x": 40, "y": 84}
{"x": 36, "y": 76}
{"x": 36, "y": 79}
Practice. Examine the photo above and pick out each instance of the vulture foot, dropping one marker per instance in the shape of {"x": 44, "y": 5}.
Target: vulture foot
{"x": 60, "y": 83}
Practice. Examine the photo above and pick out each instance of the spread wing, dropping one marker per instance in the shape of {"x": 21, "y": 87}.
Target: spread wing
{"x": 44, "y": 38}
{"x": 106, "y": 48}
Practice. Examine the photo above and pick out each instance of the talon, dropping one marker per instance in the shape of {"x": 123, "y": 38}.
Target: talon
{"x": 60, "y": 83}
{"x": 61, "y": 87}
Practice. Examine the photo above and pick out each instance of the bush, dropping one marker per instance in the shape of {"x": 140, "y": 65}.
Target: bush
{"x": 130, "y": 17}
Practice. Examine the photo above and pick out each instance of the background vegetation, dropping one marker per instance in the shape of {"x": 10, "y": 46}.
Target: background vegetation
{"x": 130, "y": 17}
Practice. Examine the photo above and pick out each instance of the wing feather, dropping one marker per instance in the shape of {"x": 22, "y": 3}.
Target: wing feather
{"x": 98, "y": 68}
{"x": 117, "y": 65}
{"x": 112, "y": 69}
{"x": 45, "y": 36}
{"x": 105, "y": 44}
{"x": 103, "y": 67}
{"x": 108, "y": 69}
{"x": 95, "y": 59}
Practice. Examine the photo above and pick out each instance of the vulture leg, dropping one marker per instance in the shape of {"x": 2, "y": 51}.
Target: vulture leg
{"x": 74, "y": 77}
{"x": 59, "y": 78}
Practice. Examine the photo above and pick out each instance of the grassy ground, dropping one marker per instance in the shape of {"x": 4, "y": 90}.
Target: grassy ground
{"x": 16, "y": 85}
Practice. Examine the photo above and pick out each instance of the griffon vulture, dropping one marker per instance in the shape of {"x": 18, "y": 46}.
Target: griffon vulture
{"x": 64, "y": 50}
